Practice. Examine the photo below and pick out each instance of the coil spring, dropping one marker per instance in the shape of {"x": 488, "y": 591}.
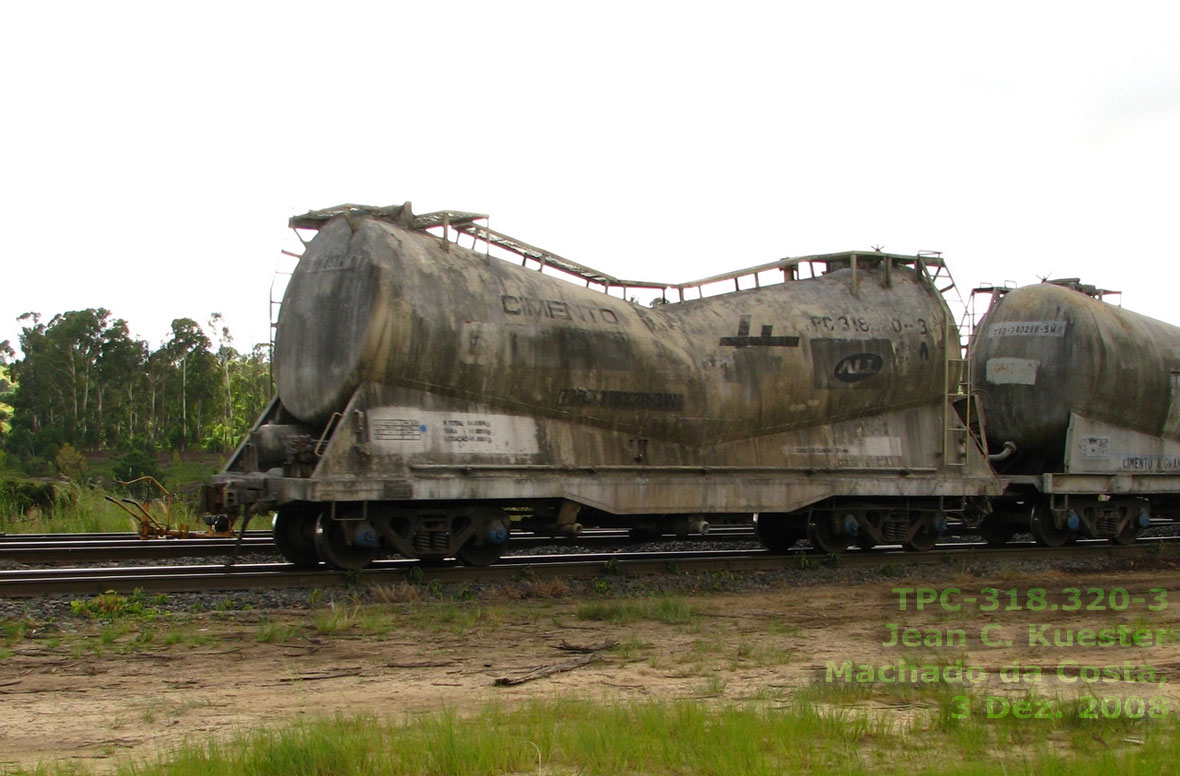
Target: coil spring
{"x": 1107, "y": 525}
{"x": 895, "y": 530}
{"x": 432, "y": 541}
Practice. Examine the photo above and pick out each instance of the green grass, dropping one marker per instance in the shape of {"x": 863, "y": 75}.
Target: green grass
{"x": 111, "y": 605}
{"x": 84, "y": 508}
{"x": 331, "y": 619}
{"x": 631, "y": 648}
{"x": 460, "y": 617}
{"x": 87, "y": 511}
{"x": 666, "y": 739}
{"x": 124, "y": 624}
{"x": 178, "y": 469}
{"x": 189, "y": 636}
{"x": 192, "y": 468}
{"x": 673, "y": 611}
{"x": 273, "y": 632}
{"x": 13, "y": 630}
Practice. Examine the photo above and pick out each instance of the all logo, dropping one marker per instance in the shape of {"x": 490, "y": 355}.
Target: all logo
{"x": 858, "y": 366}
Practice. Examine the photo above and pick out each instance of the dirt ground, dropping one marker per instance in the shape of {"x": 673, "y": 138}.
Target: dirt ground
{"x": 66, "y": 699}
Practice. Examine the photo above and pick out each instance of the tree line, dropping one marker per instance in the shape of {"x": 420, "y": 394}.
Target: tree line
{"x": 86, "y": 382}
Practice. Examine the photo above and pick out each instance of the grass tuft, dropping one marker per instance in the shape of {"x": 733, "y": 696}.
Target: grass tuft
{"x": 673, "y": 611}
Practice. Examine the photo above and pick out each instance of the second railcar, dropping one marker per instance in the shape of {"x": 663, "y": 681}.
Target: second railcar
{"x": 1085, "y": 396}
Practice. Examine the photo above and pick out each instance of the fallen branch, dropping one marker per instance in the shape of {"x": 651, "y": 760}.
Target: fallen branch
{"x": 578, "y": 627}
{"x": 325, "y": 675}
{"x": 543, "y": 671}
{"x": 585, "y": 650}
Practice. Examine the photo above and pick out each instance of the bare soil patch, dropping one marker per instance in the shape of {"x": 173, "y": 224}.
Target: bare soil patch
{"x": 82, "y": 690}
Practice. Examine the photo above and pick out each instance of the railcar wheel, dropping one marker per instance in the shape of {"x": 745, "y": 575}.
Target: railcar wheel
{"x": 1045, "y": 530}
{"x": 345, "y": 544}
{"x": 778, "y": 532}
{"x": 923, "y": 539}
{"x": 294, "y": 535}
{"x": 996, "y": 531}
{"x": 866, "y": 543}
{"x": 485, "y": 554}
{"x": 824, "y": 535}
{"x": 487, "y": 530}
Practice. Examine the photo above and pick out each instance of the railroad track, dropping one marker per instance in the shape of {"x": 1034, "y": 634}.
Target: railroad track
{"x": 256, "y": 576}
{"x": 35, "y": 549}
{"x": 31, "y": 549}
{"x": 98, "y": 548}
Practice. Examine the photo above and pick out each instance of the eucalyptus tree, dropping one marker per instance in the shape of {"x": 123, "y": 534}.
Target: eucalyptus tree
{"x": 192, "y": 391}
{"x": 58, "y": 374}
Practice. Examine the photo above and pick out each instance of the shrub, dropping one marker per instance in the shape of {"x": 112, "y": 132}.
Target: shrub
{"x": 19, "y": 496}
{"x": 135, "y": 464}
{"x": 71, "y": 463}
{"x": 36, "y": 466}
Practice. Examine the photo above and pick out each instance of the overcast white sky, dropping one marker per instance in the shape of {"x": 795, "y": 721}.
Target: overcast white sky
{"x": 153, "y": 152}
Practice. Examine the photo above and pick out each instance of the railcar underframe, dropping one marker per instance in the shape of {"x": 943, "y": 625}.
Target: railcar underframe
{"x": 348, "y": 492}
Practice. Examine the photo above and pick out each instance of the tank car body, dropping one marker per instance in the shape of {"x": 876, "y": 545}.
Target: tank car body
{"x": 430, "y": 397}
{"x": 1086, "y": 396}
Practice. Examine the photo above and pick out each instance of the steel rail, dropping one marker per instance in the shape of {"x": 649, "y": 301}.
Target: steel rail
{"x": 6, "y": 538}
{"x": 33, "y": 549}
{"x": 91, "y": 548}
{"x": 85, "y": 550}
{"x": 221, "y": 578}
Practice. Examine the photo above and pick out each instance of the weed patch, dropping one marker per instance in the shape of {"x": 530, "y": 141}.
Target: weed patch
{"x": 570, "y": 736}
{"x": 111, "y": 605}
{"x": 673, "y": 611}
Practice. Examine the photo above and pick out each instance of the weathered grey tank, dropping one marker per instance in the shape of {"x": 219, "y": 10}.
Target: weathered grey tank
{"x": 385, "y": 306}
{"x": 1077, "y": 384}
{"x": 430, "y": 395}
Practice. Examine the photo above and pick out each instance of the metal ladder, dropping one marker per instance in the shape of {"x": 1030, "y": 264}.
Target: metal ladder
{"x": 976, "y": 422}
{"x": 956, "y": 427}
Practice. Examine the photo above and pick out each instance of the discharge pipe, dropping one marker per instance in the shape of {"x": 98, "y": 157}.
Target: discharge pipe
{"x": 1004, "y": 454}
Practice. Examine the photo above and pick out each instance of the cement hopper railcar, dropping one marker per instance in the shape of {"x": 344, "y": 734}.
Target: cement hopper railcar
{"x": 431, "y": 397}
{"x": 1084, "y": 396}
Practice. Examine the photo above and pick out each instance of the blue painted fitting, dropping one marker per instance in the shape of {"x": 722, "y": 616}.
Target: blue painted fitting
{"x": 364, "y": 536}
{"x": 1144, "y": 519}
{"x": 940, "y": 524}
{"x": 1072, "y": 521}
{"x": 497, "y": 533}
{"x": 851, "y": 527}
